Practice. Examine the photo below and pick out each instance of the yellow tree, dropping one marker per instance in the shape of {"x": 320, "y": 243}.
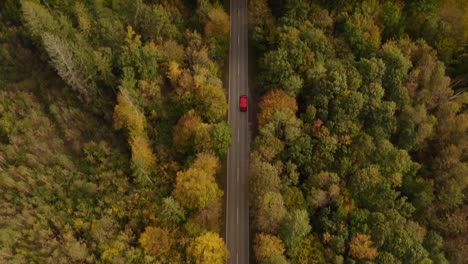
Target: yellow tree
{"x": 270, "y": 212}
{"x": 155, "y": 240}
{"x": 361, "y": 247}
{"x": 267, "y": 246}
{"x": 184, "y": 130}
{"x": 143, "y": 159}
{"x": 207, "y": 162}
{"x": 127, "y": 116}
{"x": 275, "y": 100}
{"x": 132, "y": 40}
{"x": 191, "y": 134}
{"x": 196, "y": 187}
{"x": 208, "y": 248}
{"x": 83, "y": 18}
{"x": 218, "y": 24}
{"x": 202, "y": 139}
{"x": 211, "y": 102}
{"x": 173, "y": 72}
{"x": 260, "y": 15}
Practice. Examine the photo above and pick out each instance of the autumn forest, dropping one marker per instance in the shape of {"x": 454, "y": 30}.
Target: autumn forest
{"x": 114, "y": 131}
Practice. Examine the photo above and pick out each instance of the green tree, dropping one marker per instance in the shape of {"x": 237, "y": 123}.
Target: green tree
{"x": 38, "y": 19}
{"x": 372, "y": 71}
{"x": 275, "y": 70}
{"x": 299, "y": 53}
{"x": 294, "y": 198}
{"x": 276, "y": 260}
{"x": 301, "y": 151}
{"x": 394, "y": 162}
{"x": 261, "y": 22}
{"x": 317, "y": 42}
{"x": 362, "y": 34}
{"x": 396, "y": 70}
{"x": 294, "y": 229}
{"x": 391, "y": 17}
{"x": 297, "y": 10}
{"x": 222, "y": 136}
{"x": 263, "y": 178}
{"x": 404, "y": 244}
{"x": 171, "y": 213}
{"x": 386, "y": 257}
{"x": 366, "y": 178}
{"x": 290, "y": 175}
{"x": 108, "y": 29}
{"x": 284, "y": 125}
{"x": 267, "y": 145}
{"x": 380, "y": 120}
{"x": 433, "y": 243}
{"x": 143, "y": 59}
{"x": 83, "y": 18}
{"x": 311, "y": 251}
{"x": 155, "y": 22}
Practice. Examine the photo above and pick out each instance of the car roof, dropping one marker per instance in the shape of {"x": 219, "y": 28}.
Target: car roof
{"x": 243, "y": 100}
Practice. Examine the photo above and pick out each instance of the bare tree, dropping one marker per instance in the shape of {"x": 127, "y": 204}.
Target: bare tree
{"x": 62, "y": 59}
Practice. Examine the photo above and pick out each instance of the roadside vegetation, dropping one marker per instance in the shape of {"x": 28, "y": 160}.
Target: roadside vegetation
{"x": 112, "y": 128}
{"x": 361, "y": 152}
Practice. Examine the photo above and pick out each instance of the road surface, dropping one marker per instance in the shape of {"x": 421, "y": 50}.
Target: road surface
{"x": 237, "y": 208}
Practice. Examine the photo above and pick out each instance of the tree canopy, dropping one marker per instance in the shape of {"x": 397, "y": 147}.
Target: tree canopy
{"x": 361, "y": 130}
{"x": 112, "y": 128}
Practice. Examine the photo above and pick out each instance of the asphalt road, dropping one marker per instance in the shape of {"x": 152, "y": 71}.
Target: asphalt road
{"x": 237, "y": 208}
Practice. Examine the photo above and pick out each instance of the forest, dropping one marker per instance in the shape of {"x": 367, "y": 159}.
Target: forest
{"x": 361, "y": 148}
{"x": 112, "y": 131}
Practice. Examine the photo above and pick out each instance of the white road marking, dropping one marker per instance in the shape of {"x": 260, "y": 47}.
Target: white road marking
{"x": 237, "y": 175}
{"x": 238, "y": 67}
{"x": 237, "y": 215}
{"x": 238, "y": 40}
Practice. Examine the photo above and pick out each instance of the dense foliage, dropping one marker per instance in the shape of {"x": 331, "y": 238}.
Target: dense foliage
{"x": 361, "y": 152}
{"x": 112, "y": 128}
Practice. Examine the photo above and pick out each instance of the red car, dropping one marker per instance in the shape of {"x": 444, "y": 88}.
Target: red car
{"x": 243, "y": 103}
